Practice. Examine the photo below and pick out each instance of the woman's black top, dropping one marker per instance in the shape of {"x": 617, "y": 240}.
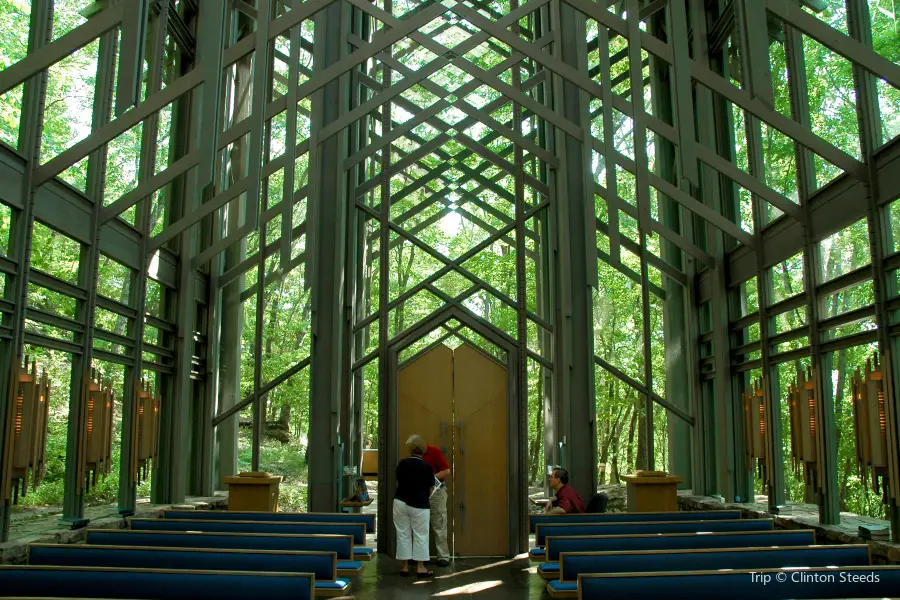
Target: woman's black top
{"x": 414, "y": 480}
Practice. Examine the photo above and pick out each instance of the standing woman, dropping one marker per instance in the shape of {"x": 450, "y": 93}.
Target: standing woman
{"x": 412, "y": 513}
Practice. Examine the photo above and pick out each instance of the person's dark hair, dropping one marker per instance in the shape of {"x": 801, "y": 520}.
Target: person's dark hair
{"x": 561, "y": 474}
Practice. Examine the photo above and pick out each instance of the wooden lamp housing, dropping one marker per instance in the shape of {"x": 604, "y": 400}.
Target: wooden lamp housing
{"x": 98, "y": 425}
{"x": 30, "y": 421}
{"x": 147, "y": 425}
{"x": 870, "y": 422}
{"x": 803, "y": 404}
{"x": 755, "y": 428}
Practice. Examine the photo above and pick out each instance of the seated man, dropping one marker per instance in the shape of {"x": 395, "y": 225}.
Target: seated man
{"x": 567, "y": 499}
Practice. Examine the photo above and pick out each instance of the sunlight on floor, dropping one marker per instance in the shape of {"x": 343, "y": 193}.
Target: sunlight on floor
{"x": 472, "y": 588}
{"x": 476, "y": 569}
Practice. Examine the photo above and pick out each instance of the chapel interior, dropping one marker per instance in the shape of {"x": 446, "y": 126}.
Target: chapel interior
{"x": 248, "y": 248}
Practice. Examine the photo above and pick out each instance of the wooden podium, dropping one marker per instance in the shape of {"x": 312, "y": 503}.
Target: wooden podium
{"x": 652, "y": 492}
{"x": 370, "y": 464}
{"x": 253, "y": 491}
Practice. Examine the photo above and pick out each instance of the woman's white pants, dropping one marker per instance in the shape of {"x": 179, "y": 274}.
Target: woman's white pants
{"x": 412, "y": 531}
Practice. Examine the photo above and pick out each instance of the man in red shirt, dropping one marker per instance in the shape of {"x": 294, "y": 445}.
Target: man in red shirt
{"x": 434, "y": 457}
{"x": 567, "y": 499}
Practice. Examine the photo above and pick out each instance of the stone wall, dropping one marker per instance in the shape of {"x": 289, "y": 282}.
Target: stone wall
{"x": 803, "y": 517}
{"x": 52, "y": 530}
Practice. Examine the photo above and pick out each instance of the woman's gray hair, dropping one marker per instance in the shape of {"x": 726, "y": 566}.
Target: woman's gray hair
{"x": 416, "y": 444}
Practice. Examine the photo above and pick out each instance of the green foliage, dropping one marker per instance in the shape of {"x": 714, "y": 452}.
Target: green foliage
{"x": 287, "y": 460}
{"x": 479, "y": 200}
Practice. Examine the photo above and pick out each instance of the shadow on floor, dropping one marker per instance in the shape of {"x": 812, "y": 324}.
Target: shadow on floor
{"x": 478, "y": 578}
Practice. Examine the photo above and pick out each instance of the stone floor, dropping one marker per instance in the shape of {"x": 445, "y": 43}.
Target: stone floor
{"x": 481, "y": 578}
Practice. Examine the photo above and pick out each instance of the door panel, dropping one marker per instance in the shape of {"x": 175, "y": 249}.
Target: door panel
{"x": 481, "y": 510}
{"x": 425, "y": 406}
{"x": 456, "y": 400}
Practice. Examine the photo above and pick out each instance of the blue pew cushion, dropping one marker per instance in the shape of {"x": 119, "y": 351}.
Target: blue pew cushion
{"x": 337, "y": 584}
{"x": 363, "y": 553}
{"x": 349, "y": 565}
{"x": 549, "y": 570}
{"x": 558, "y": 586}
{"x": 549, "y": 567}
{"x": 537, "y": 553}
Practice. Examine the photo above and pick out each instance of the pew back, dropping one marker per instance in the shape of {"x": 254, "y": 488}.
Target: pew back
{"x": 677, "y": 541}
{"x": 745, "y": 584}
{"x": 357, "y": 530}
{"x": 367, "y": 519}
{"x": 572, "y": 564}
{"x": 630, "y": 517}
{"x": 342, "y": 545}
{"x": 161, "y": 584}
{"x": 321, "y": 564}
{"x": 544, "y": 530}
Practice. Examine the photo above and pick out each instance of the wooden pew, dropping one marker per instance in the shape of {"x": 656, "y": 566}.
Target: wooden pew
{"x": 342, "y": 545}
{"x": 630, "y": 517}
{"x": 576, "y": 563}
{"x": 544, "y": 530}
{"x": 293, "y": 517}
{"x": 876, "y": 581}
{"x": 357, "y": 530}
{"x": 323, "y": 565}
{"x": 674, "y": 541}
{"x": 156, "y": 584}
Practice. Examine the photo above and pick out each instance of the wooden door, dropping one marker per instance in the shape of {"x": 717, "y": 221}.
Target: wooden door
{"x": 480, "y": 465}
{"x": 425, "y": 406}
{"x": 456, "y": 400}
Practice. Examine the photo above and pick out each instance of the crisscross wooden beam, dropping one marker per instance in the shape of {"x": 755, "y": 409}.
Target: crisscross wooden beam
{"x": 381, "y": 40}
{"x": 44, "y": 57}
{"x": 449, "y": 265}
{"x": 836, "y": 41}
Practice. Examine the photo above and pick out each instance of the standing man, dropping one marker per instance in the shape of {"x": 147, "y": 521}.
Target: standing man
{"x": 434, "y": 457}
{"x": 567, "y": 499}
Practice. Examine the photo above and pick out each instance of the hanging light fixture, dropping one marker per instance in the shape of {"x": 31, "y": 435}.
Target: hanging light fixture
{"x": 30, "y": 422}
{"x": 870, "y": 424}
{"x": 98, "y": 428}
{"x": 803, "y": 405}
{"x": 147, "y": 429}
{"x": 755, "y": 428}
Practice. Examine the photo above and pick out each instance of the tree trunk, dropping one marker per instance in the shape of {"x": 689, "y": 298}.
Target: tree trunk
{"x": 536, "y": 442}
{"x": 535, "y": 453}
{"x": 604, "y": 452}
{"x": 848, "y": 466}
{"x": 284, "y": 416}
{"x": 614, "y": 463}
{"x": 299, "y": 423}
{"x": 642, "y": 459}
{"x": 609, "y": 431}
{"x": 629, "y": 450}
